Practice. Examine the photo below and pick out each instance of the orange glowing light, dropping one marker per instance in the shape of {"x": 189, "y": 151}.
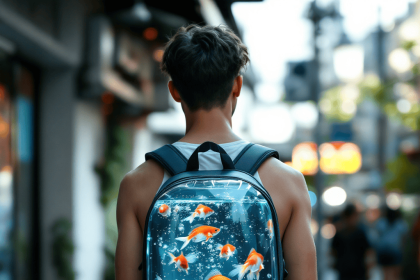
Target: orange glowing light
{"x": 340, "y": 158}
{"x": 2, "y": 92}
{"x": 7, "y": 168}
{"x": 4, "y": 129}
{"x": 107, "y": 98}
{"x": 150, "y": 33}
{"x": 305, "y": 158}
{"x": 158, "y": 55}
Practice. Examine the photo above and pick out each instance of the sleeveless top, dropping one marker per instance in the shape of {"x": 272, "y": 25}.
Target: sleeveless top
{"x": 210, "y": 160}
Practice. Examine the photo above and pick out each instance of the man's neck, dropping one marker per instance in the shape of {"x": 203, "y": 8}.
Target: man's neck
{"x": 214, "y": 125}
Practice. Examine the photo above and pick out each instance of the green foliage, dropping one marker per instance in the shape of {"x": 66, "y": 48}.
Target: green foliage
{"x": 114, "y": 166}
{"x": 332, "y": 104}
{"x": 408, "y": 45}
{"x": 402, "y": 175}
{"x": 63, "y": 249}
{"x": 385, "y": 96}
{"x": 111, "y": 171}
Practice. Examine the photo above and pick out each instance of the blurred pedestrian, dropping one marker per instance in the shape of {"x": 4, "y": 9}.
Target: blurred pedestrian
{"x": 351, "y": 248}
{"x": 415, "y": 233}
{"x": 391, "y": 230}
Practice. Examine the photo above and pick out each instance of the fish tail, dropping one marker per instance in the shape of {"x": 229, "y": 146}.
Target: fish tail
{"x": 240, "y": 270}
{"x": 250, "y": 276}
{"x": 190, "y": 218}
{"x": 172, "y": 258}
{"x": 219, "y": 246}
{"x": 186, "y": 240}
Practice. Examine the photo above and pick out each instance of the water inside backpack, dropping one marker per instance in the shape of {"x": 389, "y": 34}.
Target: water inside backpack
{"x": 211, "y": 228}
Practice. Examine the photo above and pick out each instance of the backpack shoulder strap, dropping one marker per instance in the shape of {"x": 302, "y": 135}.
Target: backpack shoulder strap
{"x": 252, "y": 156}
{"x": 170, "y": 158}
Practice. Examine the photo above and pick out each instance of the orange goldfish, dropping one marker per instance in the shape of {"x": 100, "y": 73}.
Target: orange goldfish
{"x": 253, "y": 264}
{"x": 165, "y": 210}
{"x": 198, "y": 234}
{"x": 181, "y": 262}
{"x": 226, "y": 251}
{"x": 201, "y": 211}
{"x": 270, "y": 228}
{"x": 215, "y": 275}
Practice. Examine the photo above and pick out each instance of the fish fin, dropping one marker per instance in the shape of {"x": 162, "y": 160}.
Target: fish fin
{"x": 190, "y": 218}
{"x": 212, "y": 273}
{"x": 258, "y": 275}
{"x": 199, "y": 237}
{"x": 250, "y": 276}
{"x": 240, "y": 270}
{"x": 219, "y": 246}
{"x": 158, "y": 278}
{"x": 191, "y": 258}
{"x": 172, "y": 258}
{"x": 252, "y": 250}
{"x": 183, "y": 239}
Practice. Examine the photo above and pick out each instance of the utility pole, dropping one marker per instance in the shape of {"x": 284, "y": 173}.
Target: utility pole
{"x": 382, "y": 119}
{"x": 316, "y": 15}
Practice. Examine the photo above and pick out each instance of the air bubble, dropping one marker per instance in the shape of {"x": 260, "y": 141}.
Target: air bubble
{"x": 268, "y": 276}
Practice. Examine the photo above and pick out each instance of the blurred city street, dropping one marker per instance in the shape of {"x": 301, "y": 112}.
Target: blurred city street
{"x": 333, "y": 86}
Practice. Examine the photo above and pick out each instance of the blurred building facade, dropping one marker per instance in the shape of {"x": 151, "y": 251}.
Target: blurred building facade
{"x": 77, "y": 80}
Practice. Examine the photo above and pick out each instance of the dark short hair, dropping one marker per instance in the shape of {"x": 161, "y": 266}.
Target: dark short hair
{"x": 203, "y": 63}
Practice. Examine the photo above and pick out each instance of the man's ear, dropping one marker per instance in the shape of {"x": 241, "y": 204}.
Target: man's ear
{"x": 174, "y": 92}
{"x": 237, "y": 86}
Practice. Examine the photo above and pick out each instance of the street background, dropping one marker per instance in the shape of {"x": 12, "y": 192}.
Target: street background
{"x": 333, "y": 86}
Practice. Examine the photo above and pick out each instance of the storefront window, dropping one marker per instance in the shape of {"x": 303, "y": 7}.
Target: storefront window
{"x": 17, "y": 187}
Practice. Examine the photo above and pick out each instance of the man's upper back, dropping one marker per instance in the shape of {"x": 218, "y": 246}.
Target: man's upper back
{"x": 285, "y": 185}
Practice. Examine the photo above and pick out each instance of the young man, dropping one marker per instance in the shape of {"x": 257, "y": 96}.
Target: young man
{"x": 204, "y": 64}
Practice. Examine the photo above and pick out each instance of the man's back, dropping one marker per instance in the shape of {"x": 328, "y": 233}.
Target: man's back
{"x": 285, "y": 185}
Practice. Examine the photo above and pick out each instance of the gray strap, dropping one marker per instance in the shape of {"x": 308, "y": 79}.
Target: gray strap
{"x": 169, "y": 158}
{"x": 252, "y": 156}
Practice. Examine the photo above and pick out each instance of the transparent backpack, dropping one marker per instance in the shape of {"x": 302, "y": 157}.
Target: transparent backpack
{"x": 212, "y": 225}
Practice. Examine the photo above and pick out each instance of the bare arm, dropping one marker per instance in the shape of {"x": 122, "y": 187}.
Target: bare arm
{"x": 137, "y": 191}
{"x": 290, "y": 195}
{"x": 130, "y": 236}
{"x": 298, "y": 243}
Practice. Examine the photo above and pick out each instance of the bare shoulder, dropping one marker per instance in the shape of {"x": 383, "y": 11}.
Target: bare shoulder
{"x": 287, "y": 188}
{"x": 279, "y": 177}
{"x": 138, "y": 188}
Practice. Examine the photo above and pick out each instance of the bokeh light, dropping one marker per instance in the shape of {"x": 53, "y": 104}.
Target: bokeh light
{"x": 150, "y": 33}
{"x": 410, "y": 30}
{"x": 348, "y": 62}
{"x": 328, "y": 231}
{"x": 158, "y": 55}
{"x": 393, "y": 200}
{"x": 334, "y": 196}
{"x": 305, "y": 114}
{"x": 271, "y": 124}
{"x": 340, "y": 158}
{"x": 313, "y": 198}
{"x": 373, "y": 201}
{"x": 305, "y": 158}
{"x": 399, "y": 60}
